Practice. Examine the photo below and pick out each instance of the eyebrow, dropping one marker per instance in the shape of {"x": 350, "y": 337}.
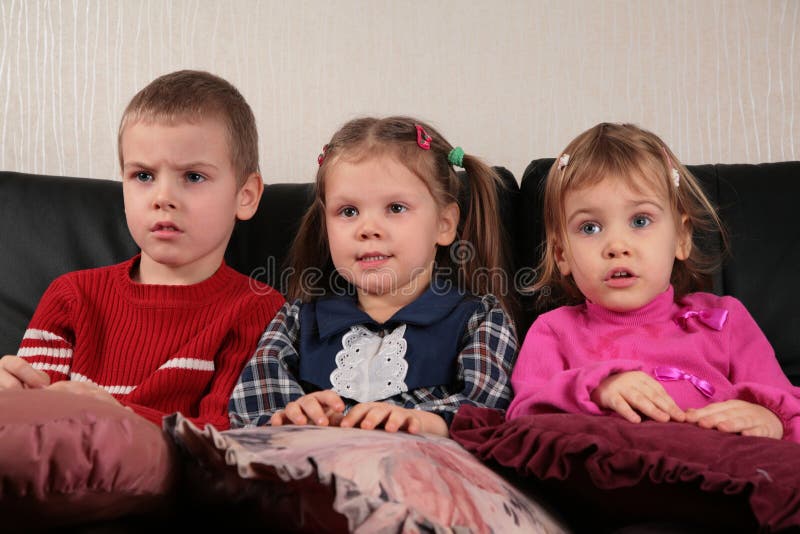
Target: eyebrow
{"x": 184, "y": 166}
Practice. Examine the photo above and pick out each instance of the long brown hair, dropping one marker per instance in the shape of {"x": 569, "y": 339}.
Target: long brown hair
{"x": 475, "y": 259}
{"x": 640, "y": 158}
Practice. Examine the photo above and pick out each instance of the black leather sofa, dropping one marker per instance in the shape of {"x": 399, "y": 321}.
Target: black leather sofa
{"x": 54, "y": 224}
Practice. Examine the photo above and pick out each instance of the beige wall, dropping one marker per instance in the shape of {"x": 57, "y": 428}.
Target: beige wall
{"x": 508, "y": 80}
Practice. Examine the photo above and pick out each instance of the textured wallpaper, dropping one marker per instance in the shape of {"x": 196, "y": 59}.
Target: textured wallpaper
{"x": 508, "y": 80}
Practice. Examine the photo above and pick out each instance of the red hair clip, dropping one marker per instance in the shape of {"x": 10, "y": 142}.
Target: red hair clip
{"x": 423, "y": 139}
{"x": 321, "y": 157}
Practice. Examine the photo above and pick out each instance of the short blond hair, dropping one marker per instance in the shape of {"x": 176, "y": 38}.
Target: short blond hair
{"x": 191, "y": 95}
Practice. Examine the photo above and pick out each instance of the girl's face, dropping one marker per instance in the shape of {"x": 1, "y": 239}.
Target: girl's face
{"x": 383, "y": 227}
{"x": 620, "y": 244}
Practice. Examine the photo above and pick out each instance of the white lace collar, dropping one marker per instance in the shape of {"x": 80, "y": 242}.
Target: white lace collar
{"x": 371, "y": 367}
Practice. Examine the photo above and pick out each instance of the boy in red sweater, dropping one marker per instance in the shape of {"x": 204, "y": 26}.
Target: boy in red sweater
{"x": 170, "y": 329}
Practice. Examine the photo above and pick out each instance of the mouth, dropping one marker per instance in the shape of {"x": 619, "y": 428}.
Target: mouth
{"x": 372, "y": 256}
{"x": 164, "y": 227}
{"x": 619, "y": 274}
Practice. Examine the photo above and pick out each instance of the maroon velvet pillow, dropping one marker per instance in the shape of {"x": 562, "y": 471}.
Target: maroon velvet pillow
{"x": 624, "y": 472}
{"x": 67, "y": 459}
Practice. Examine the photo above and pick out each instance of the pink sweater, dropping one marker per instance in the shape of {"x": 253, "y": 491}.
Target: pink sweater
{"x": 569, "y": 351}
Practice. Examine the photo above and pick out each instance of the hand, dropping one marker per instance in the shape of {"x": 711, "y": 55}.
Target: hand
{"x": 737, "y": 416}
{"x": 370, "y": 415}
{"x": 87, "y": 389}
{"x": 320, "y": 408}
{"x": 17, "y": 373}
{"x": 635, "y": 391}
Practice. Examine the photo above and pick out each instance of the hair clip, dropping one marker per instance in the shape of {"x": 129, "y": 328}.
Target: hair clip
{"x": 456, "y": 157}
{"x": 423, "y": 139}
{"x": 563, "y": 161}
{"x": 676, "y": 178}
{"x": 321, "y": 157}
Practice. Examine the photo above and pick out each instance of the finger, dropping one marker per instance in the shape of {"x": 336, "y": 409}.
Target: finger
{"x": 641, "y": 402}
{"x": 278, "y": 418}
{"x": 621, "y": 406}
{"x": 375, "y": 416}
{"x": 397, "y": 420}
{"x": 293, "y": 413}
{"x": 330, "y": 399}
{"x": 354, "y": 416}
{"x": 24, "y": 372}
{"x": 313, "y": 410}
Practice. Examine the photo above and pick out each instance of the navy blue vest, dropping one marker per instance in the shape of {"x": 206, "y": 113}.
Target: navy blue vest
{"x": 435, "y": 325}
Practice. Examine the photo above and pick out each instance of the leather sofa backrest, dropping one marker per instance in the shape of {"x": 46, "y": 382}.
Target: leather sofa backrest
{"x": 55, "y": 224}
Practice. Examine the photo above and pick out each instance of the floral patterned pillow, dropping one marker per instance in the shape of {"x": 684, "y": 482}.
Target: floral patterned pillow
{"x": 310, "y": 478}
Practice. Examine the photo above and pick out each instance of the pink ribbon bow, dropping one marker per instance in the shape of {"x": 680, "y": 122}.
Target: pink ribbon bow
{"x": 664, "y": 373}
{"x": 713, "y": 318}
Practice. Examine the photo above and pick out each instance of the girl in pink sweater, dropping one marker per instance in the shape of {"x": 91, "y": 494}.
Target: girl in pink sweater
{"x": 620, "y": 211}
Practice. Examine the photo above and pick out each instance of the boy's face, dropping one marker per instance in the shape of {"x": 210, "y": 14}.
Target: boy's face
{"x": 620, "y": 244}
{"x": 181, "y": 198}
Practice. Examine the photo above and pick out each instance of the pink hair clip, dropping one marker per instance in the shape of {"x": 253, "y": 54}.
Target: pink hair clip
{"x": 563, "y": 161}
{"x": 423, "y": 139}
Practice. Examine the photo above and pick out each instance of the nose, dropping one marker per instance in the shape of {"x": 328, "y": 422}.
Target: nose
{"x": 616, "y": 247}
{"x": 164, "y": 197}
{"x": 369, "y": 228}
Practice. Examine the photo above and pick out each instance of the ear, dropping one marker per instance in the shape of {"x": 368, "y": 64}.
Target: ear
{"x": 248, "y": 196}
{"x": 561, "y": 260}
{"x": 448, "y": 224}
{"x": 683, "y": 247}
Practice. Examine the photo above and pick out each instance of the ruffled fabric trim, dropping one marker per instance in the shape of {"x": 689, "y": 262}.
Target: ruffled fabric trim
{"x": 370, "y": 366}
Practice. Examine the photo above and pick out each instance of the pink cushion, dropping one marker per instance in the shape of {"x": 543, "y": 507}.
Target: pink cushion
{"x": 649, "y": 471}
{"x": 312, "y": 479}
{"x": 67, "y": 458}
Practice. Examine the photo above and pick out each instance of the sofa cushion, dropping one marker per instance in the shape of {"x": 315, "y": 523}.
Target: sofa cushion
{"x": 619, "y": 472}
{"x": 328, "y": 479}
{"x": 67, "y": 459}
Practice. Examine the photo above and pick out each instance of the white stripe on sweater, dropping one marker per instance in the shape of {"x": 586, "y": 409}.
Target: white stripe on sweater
{"x": 114, "y": 390}
{"x": 43, "y": 335}
{"x": 63, "y": 369}
{"x": 193, "y": 364}
{"x": 27, "y": 352}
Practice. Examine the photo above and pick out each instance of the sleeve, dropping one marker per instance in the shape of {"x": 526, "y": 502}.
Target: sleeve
{"x": 268, "y": 382}
{"x": 552, "y": 376}
{"x": 487, "y": 354}
{"x": 756, "y": 373}
{"x": 229, "y": 360}
{"x": 50, "y": 337}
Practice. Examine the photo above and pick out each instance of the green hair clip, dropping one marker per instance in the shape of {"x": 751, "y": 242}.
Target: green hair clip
{"x": 456, "y": 157}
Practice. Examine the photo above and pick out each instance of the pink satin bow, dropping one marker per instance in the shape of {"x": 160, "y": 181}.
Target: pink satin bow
{"x": 665, "y": 373}
{"x": 713, "y": 318}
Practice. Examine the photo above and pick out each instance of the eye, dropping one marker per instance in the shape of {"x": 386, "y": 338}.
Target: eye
{"x": 348, "y": 212}
{"x": 640, "y": 221}
{"x": 143, "y": 177}
{"x": 397, "y": 208}
{"x": 589, "y": 228}
{"x": 195, "y": 178}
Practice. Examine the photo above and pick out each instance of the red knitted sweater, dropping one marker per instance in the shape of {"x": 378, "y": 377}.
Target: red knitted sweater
{"x": 158, "y": 349}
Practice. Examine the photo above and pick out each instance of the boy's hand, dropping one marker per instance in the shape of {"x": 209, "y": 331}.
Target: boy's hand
{"x": 84, "y": 388}
{"x": 737, "y": 416}
{"x": 635, "y": 391}
{"x": 371, "y": 415}
{"x": 17, "y": 373}
{"x": 320, "y": 408}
